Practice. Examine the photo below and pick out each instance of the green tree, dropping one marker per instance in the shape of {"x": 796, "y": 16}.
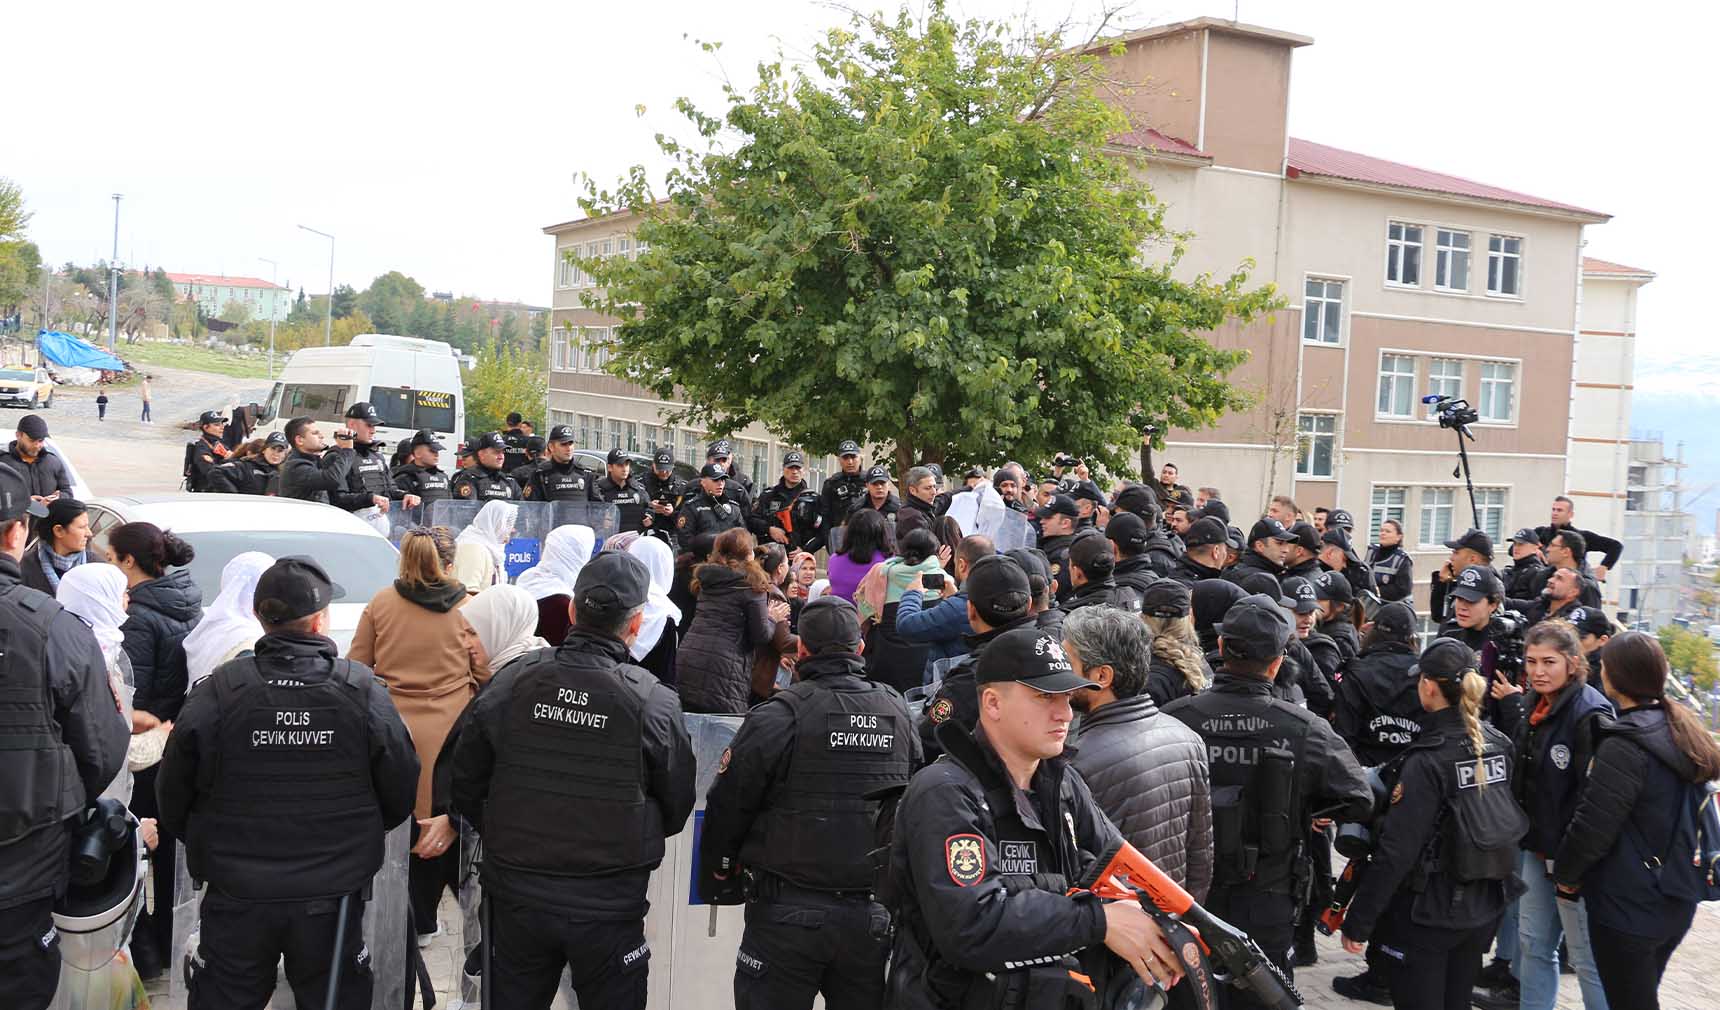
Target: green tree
{"x": 13, "y": 217}
{"x": 506, "y": 378}
{"x": 163, "y": 285}
{"x": 919, "y": 242}
{"x": 235, "y": 311}
{"x": 20, "y": 273}
{"x": 1690, "y": 652}
{"x": 390, "y": 302}
{"x": 345, "y": 301}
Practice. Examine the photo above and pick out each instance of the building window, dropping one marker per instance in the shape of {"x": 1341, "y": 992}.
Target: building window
{"x": 629, "y": 439}
{"x": 1316, "y": 444}
{"x": 1322, "y": 310}
{"x": 1451, "y": 260}
{"x": 1504, "y": 265}
{"x": 1397, "y": 385}
{"x": 1444, "y": 378}
{"x": 1387, "y": 503}
{"x": 590, "y": 430}
{"x": 652, "y": 436}
{"x": 1490, "y": 502}
{"x": 1498, "y": 391}
{"x": 566, "y": 417}
{"x": 624, "y": 247}
{"x": 1403, "y": 254}
{"x": 1436, "y": 515}
{"x": 558, "y": 352}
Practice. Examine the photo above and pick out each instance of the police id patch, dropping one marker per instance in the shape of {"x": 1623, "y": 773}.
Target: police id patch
{"x": 1561, "y": 756}
{"x": 465, "y": 490}
{"x": 859, "y": 731}
{"x": 941, "y": 710}
{"x": 291, "y": 728}
{"x": 964, "y": 855}
{"x": 571, "y": 708}
{"x": 723, "y": 762}
{"x": 1493, "y": 771}
{"x": 1018, "y": 857}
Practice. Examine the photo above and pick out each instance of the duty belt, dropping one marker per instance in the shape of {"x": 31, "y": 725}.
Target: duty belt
{"x": 762, "y": 886}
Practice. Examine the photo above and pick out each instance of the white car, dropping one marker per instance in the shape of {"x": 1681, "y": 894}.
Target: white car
{"x": 359, "y": 560}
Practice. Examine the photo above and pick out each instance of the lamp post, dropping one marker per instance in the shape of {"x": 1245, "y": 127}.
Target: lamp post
{"x": 113, "y": 281}
{"x": 328, "y": 317}
{"x": 274, "y": 308}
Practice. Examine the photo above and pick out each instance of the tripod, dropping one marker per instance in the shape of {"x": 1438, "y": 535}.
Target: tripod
{"x": 1458, "y": 415}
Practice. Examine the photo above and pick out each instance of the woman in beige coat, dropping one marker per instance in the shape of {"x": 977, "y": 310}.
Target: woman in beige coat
{"x": 412, "y": 635}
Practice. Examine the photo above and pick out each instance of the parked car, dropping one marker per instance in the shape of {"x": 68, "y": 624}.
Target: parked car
{"x": 26, "y": 387}
{"x": 598, "y": 463}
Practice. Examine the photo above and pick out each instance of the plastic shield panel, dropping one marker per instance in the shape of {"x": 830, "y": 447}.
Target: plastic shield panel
{"x": 603, "y": 518}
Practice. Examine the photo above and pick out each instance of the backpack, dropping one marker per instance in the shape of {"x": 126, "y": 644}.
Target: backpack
{"x": 1690, "y": 870}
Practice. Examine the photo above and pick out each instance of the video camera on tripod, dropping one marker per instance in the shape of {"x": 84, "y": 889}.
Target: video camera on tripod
{"x": 1455, "y": 413}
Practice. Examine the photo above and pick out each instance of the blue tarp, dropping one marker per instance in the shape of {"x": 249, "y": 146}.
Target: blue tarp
{"x": 68, "y": 351}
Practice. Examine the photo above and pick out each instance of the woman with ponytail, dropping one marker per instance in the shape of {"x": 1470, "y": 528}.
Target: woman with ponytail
{"x": 1443, "y": 864}
{"x": 1651, "y": 764}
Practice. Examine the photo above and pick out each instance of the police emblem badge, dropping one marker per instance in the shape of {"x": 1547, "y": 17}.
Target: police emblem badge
{"x": 941, "y": 710}
{"x": 723, "y": 762}
{"x": 965, "y": 857}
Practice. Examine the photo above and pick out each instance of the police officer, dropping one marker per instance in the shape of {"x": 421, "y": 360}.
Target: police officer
{"x": 878, "y": 497}
{"x": 999, "y": 599}
{"x": 421, "y": 476}
{"x": 787, "y": 511}
{"x": 515, "y": 454}
{"x": 1091, "y": 567}
{"x": 1275, "y": 766}
{"x": 1134, "y": 567}
{"x": 739, "y": 488}
{"x": 1392, "y": 568}
{"x": 841, "y": 490}
{"x": 787, "y": 819}
{"x": 61, "y": 714}
{"x": 1337, "y": 599}
{"x": 1206, "y": 551}
{"x": 485, "y": 480}
{"x": 206, "y": 451}
{"x": 1268, "y": 542}
{"x": 1527, "y": 574}
{"x": 1338, "y": 554}
{"x": 536, "y": 451}
{"x": 1443, "y": 869}
{"x": 559, "y": 478}
{"x": 574, "y": 765}
{"x": 986, "y": 843}
{"x": 709, "y": 511}
{"x": 1379, "y": 713}
{"x": 1057, "y": 527}
{"x": 310, "y": 472}
{"x": 663, "y": 492}
{"x": 369, "y": 482}
{"x": 291, "y": 736}
{"x": 258, "y": 475}
{"x": 618, "y": 488}
{"x": 1472, "y": 548}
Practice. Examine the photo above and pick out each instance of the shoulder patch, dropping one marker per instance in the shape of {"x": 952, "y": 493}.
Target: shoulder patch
{"x": 1397, "y": 792}
{"x": 723, "y": 762}
{"x": 682, "y": 521}
{"x": 964, "y": 855}
{"x": 941, "y": 711}
{"x": 1056, "y": 569}
{"x": 465, "y": 489}
{"x": 1561, "y": 756}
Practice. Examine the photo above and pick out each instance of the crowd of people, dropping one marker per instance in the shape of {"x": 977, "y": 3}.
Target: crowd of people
{"x": 899, "y": 810}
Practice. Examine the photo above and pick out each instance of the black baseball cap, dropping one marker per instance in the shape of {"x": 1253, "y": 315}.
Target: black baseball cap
{"x": 877, "y": 475}
{"x": 1526, "y": 535}
{"x": 1166, "y": 598}
{"x": 361, "y": 411}
{"x": 15, "y": 500}
{"x": 829, "y": 624}
{"x": 1396, "y": 619}
{"x": 490, "y": 440}
{"x": 793, "y": 457}
{"x": 721, "y": 447}
{"x": 515, "y": 417}
{"x": 662, "y": 459}
{"x": 1477, "y": 582}
{"x": 998, "y": 589}
{"x": 1341, "y": 519}
{"x": 535, "y": 444}
{"x": 1233, "y": 539}
{"x": 1304, "y": 536}
{"x": 205, "y": 418}
{"x": 423, "y": 436}
{"x": 275, "y": 440}
{"x": 974, "y": 471}
{"x": 1339, "y": 538}
{"x": 1127, "y": 530}
{"x": 1333, "y": 587}
{"x": 1215, "y": 508}
{"x": 1590, "y": 621}
{"x": 849, "y": 447}
{"x": 1205, "y": 530}
{"x": 1261, "y": 584}
{"x": 1139, "y": 499}
{"x": 1298, "y": 594}
{"x": 1037, "y": 566}
{"x": 1060, "y": 505}
{"x": 1092, "y": 554}
{"x": 291, "y": 588}
{"x": 1254, "y": 628}
{"x": 1445, "y": 659}
{"x": 1088, "y": 490}
{"x": 1269, "y": 528}
{"x": 937, "y": 471}
{"x": 562, "y": 434}
{"x": 714, "y": 471}
{"x": 1031, "y": 656}
{"x": 611, "y": 583}
{"x": 1476, "y": 541}
{"x": 617, "y": 457}
{"x": 1211, "y": 599}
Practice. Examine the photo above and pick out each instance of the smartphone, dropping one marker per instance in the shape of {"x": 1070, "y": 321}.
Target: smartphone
{"x": 933, "y": 582}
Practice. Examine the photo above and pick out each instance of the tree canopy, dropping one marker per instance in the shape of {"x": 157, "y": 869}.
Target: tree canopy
{"x": 506, "y": 378}
{"x": 20, "y": 261}
{"x": 918, "y": 241}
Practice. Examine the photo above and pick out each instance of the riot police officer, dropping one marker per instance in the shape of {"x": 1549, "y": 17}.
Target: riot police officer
{"x": 788, "y": 821}
{"x": 841, "y": 490}
{"x": 878, "y": 497}
{"x": 61, "y": 714}
{"x": 618, "y": 488}
{"x": 258, "y": 475}
{"x": 559, "y": 478}
{"x": 1275, "y": 767}
{"x": 485, "y": 481}
{"x": 999, "y": 599}
{"x": 709, "y": 511}
{"x": 516, "y": 455}
{"x": 420, "y": 476}
{"x": 290, "y": 732}
{"x": 739, "y": 488}
{"x": 1378, "y": 713}
{"x": 369, "y": 484}
{"x": 1057, "y": 525}
{"x": 663, "y": 492}
{"x": 787, "y": 511}
{"x": 1527, "y": 574}
{"x": 574, "y": 765}
{"x": 536, "y": 451}
{"x": 206, "y": 451}
{"x": 310, "y": 472}
{"x": 1205, "y": 552}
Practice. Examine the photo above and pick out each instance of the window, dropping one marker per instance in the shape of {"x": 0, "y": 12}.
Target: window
{"x": 321, "y": 403}
{"x": 1322, "y": 310}
{"x": 1444, "y": 378}
{"x": 754, "y": 456}
{"x": 1504, "y": 265}
{"x": 617, "y": 429}
{"x": 1397, "y": 385}
{"x": 1403, "y": 254}
{"x": 652, "y": 437}
{"x": 1490, "y": 502}
{"x": 1451, "y": 260}
{"x": 559, "y": 350}
{"x": 564, "y": 271}
{"x": 1498, "y": 391}
{"x": 411, "y": 409}
{"x": 562, "y": 417}
{"x": 1316, "y": 444}
{"x": 590, "y": 430}
{"x": 624, "y": 248}
{"x": 1387, "y": 503}
{"x": 1436, "y": 515}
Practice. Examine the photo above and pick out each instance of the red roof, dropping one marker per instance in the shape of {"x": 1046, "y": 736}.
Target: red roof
{"x": 216, "y": 280}
{"x": 1309, "y": 158}
{"x": 1148, "y": 139}
{"x": 1595, "y": 266}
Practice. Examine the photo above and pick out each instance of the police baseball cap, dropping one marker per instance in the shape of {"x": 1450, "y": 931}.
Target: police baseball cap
{"x": 662, "y": 459}
{"x": 998, "y": 589}
{"x": 1337, "y": 537}
{"x": 1088, "y": 490}
{"x": 1091, "y": 552}
{"x": 1233, "y": 539}
{"x": 1205, "y": 530}
{"x": 1254, "y": 628}
{"x": 793, "y": 458}
{"x": 611, "y": 583}
{"x": 1590, "y": 621}
{"x": 205, "y": 418}
{"x": 1341, "y": 519}
{"x": 1526, "y": 536}
{"x": 423, "y": 436}
{"x": 15, "y": 500}
{"x": 1166, "y": 598}
{"x": 1333, "y": 587}
{"x": 1396, "y": 619}
{"x": 1059, "y": 505}
{"x": 829, "y": 624}
{"x": 278, "y": 440}
{"x": 1269, "y": 528}
{"x": 291, "y": 588}
{"x": 1037, "y": 566}
{"x": 1261, "y": 584}
{"x": 535, "y": 444}
{"x": 1030, "y": 656}
{"x": 1215, "y": 508}
{"x": 877, "y": 475}
{"x": 937, "y": 471}
{"x": 1139, "y": 499}
{"x": 848, "y": 448}
{"x": 362, "y": 411}
{"x": 561, "y": 434}
{"x": 616, "y": 457}
{"x": 1298, "y": 595}
{"x": 490, "y": 440}
{"x": 720, "y": 448}
{"x": 1444, "y": 659}
{"x": 1474, "y": 540}
{"x": 714, "y": 471}
{"x": 1127, "y": 530}
{"x": 1211, "y": 599}
{"x": 1304, "y": 536}
{"x": 1477, "y": 582}
{"x": 974, "y": 471}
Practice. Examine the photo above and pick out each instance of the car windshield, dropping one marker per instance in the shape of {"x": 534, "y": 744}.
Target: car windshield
{"x": 359, "y": 566}
{"x": 17, "y": 375}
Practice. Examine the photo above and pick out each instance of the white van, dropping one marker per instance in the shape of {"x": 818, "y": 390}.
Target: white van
{"x": 412, "y": 383}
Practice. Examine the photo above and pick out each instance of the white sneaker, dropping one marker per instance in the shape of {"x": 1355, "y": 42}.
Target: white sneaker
{"x": 424, "y": 939}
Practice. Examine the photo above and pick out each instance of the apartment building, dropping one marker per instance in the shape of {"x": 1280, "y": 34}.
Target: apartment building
{"x": 213, "y": 292}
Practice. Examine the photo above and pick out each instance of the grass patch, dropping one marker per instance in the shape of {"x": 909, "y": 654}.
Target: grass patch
{"x": 147, "y": 354}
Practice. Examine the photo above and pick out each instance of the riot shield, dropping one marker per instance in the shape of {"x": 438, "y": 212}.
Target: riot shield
{"x": 603, "y": 518}
{"x": 402, "y": 520}
{"x": 1009, "y": 530}
{"x": 532, "y": 521}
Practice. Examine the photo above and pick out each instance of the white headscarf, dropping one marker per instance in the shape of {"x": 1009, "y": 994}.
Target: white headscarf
{"x": 817, "y": 589}
{"x": 565, "y": 552}
{"x": 504, "y": 617}
{"x": 660, "y": 562}
{"x": 492, "y": 528}
{"x": 229, "y": 623}
{"x": 96, "y": 593}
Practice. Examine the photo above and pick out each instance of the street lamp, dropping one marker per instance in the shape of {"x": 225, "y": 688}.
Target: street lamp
{"x": 274, "y": 309}
{"x": 113, "y": 281}
{"x": 328, "y": 317}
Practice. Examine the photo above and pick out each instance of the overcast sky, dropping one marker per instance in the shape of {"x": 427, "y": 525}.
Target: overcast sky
{"x": 439, "y": 139}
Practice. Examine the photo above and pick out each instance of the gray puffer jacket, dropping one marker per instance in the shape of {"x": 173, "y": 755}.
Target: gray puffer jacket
{"x": 1148, "y": 773}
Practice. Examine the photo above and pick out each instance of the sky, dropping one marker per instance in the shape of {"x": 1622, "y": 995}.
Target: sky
{"x": 439, "y": 140}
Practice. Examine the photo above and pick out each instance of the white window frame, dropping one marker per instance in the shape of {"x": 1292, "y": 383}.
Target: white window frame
{"x": 1446, "y": 253}
{"x": 1305, "y": 459}
{"x": 1397, "y": 252}
{"x": 1493, "y": 512}
{"x": 1438, "y": 384}
{"x": 1321, "y": 306}
{"x": 1495, "y": 265}
{"x": 1434, "y": 499}
{"x": 1482, "y": 400}
{"x": 1381, "y": 507}
{"x": 1397, "y": 379}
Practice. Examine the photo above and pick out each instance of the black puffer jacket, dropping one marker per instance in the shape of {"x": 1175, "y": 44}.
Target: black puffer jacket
{"x": 162, "y": 612}
{"x": 1379, "y": 713}
{"x": 713, "y": 663}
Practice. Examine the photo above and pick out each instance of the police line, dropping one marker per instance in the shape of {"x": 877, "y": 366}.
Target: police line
{"x": 530, "y": 523}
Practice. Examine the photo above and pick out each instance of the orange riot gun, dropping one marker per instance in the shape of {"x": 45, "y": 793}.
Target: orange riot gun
{"x": 1124, "y": 874}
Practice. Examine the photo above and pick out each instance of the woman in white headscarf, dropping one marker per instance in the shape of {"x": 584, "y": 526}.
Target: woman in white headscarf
{"x": 654, "y": 649}
{"x": 550, "y": 582}
{"x": 504, "y": 619}
{"x": 229, "y": 626}
{"x": 96, "y": 595}
{"x": 480, "y": 551}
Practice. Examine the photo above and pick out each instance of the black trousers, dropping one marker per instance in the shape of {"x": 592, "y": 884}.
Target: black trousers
{"x": 425, "y": 879}
{"x": 154, "y": 930}
{"x": 804, "y": 944}
{"x": 608, "y": 961}
{"x": 241, "y": 943}
{"x": 1270, "y": 919}
{"x": 1435, "y": 969}
{"x": 29, "y": 955}
{"x": 1630, "y": 966}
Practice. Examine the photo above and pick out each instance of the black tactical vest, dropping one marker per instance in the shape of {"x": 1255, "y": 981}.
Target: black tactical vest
{"x": 629, "y": 500}
{"x": 40, "y": 785}
{"x": 428, "y": 483}
{"x": 479, "y": 484}
{"x": 816, "y": 830}
{"x": 568, "y": 794}
{"x": 369, "y": 473}
{"x": 553, "y": 482}
{"x": 291, "y": 811}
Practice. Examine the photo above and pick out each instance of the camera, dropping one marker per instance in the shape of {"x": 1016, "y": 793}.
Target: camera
{"x": 99, "y": 832}
{"x": 1453, "y": 412}
{"x": 1505, "y": 629}
{"x": 1065, "y": 460}
{"x": 934, "y": 582}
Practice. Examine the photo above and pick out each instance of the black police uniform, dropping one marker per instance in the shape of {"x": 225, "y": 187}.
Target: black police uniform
{"x": 956, "y": 699}
{"x": 1525, "y": 578}
{"x": 313, "y": 478}
{"x": 1056, "y": 550}
{"x": 1252, "y": 561}
{"x": 515, "y": 454}
{"x": 244, "y": 476}
{"x": 60, "y": 715}
{"x": 429, "y": 483}
{"x": 1189, "y": 571}
{"x": 574, "y": 765}
{"x": 482, "y": 484}
{"x": 1136, "y": 573}
{"x": 660, "y": 490}
{"x": 701, "y": 513}
{"x": 367, "y": 477}
{"x": 295, "y": 735}
{"x": 888, "y": 509}
{"x": 789, "y": 807}
{"x": 837, "y": 499}
{"x": 548, "y": 480}
{"x": 1378, "y": 711}
{"x": 1102, "y": 593}
{"x": 202, "y": 455}
{"x": 629, "y": 500}
{"x": 801, "y": 504}
{"x": 1393, "y": 572}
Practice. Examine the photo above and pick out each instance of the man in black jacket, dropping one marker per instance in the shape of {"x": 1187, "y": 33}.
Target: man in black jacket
{"x": 664, "y": 491}
{"x": 919, "y": 509}
{"x": 878, "y": 497}
{"x": 61, "y": 714}
{"x": 1207, "y": 547}
{"x": 1528, "y": 571}
{"x": 558, "y": 478}
{"x": 43, "y": 472}
{"x": 1266, "y": 548}
{"x": 766, "y": 521}
{"x": 1057, "y": 525}
{"x": 369, "y": 484}
{"x": 1301, "y": 554}
{"x": 1563, "y": 515}
{"x": 1472, "y": 548}
{"x": 998, "y": 598}
{"x": 1134, "y": 567}
{"x": 739, "y": 487}
{"x": 841, "y": 490}
{"x": 575, "y": 765}
{"x": 1091, "y": 564}
{"x": 486, "y": 481}
{"x": 1161, "y": 550}
{"x": 310, "y": 472}
{"x": 420, "y": 475}
{"x": 617, "y": 487}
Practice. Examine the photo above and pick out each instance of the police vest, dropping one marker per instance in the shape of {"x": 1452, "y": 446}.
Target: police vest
{"x": 369, "y": 474}
{"x": 552, "y": 482}
{"x": 291, "y": 812}
{"x": 40, "y": 786}
{"x": 629, "y": 501}
{"x": 428, "y": 483}
{"x": 816, "y": 829}
{"x": 568, "y": 795}
{"x": 483, "y": 485}
{"x": 1385, "y": 568}
{"x": 705, "y": 514}
{"x": 844, "y": 489}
